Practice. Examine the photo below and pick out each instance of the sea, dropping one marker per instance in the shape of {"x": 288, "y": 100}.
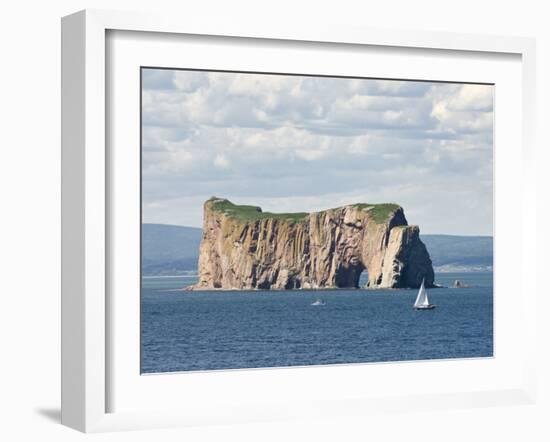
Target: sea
{"x": 220, "y": 330}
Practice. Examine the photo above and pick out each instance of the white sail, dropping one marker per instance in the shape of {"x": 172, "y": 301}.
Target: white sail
{"x": 426, "y": 301}
{"x": 422, "y": 298}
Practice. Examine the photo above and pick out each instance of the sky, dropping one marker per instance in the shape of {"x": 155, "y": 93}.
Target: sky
{"x": 303, "y": 144}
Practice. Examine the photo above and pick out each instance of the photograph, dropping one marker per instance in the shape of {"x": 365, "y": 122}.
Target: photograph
{"x": 298, "y": 219}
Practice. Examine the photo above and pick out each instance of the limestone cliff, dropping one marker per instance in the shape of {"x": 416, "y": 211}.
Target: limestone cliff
{"x": 245, "y": 248}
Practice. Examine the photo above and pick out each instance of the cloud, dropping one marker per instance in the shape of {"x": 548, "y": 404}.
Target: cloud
{"x": 308, "y": 143}
{"x": 157, "y": 79}
{"x": 391, "y": 88}
{"x": 472, "y": 97}
{"x": 221, "y": 162}
{"x": 311, "y": 154}
{"x": 463, "y": 108}
{"x": 189, "y": 81}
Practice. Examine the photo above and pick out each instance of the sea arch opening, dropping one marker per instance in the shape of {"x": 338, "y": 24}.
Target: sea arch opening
{"x": 352, "y": 274}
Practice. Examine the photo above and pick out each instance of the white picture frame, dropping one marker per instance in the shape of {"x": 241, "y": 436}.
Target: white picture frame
{"x": 87, "y": 206}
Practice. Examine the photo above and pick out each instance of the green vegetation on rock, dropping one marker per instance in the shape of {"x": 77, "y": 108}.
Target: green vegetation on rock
{"x": 378, "y": 212}
{"x": 252, "y": 213}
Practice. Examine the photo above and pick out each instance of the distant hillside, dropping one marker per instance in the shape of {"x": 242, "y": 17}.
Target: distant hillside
{"x": 169, "y": 250}
{"x": 174, "y": 250}
{"x": 460, "y": 253}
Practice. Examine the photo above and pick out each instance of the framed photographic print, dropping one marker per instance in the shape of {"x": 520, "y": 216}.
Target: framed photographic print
{"x": 228, "y": 284}
{"x": 251, "y": 213}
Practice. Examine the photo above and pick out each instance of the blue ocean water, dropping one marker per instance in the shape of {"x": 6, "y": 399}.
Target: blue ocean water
{"x": 212, "y": 330}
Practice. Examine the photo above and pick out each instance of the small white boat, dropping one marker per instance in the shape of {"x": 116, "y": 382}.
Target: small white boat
{"x": 318, "y": 302}
{"x": 422, "y": 302}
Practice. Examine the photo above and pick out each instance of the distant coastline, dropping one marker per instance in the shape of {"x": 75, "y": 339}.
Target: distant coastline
{"x": 437, "y": 270}
{"x": 170, "y": 276}
{"x": 462, "y": 269}
{"x": 172, "y": 251}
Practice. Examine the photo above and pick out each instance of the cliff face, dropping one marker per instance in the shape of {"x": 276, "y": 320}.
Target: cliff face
{"x": 245, "y": 248}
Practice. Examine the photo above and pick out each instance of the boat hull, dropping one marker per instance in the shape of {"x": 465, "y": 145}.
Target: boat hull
{"x": 427, "y": 307}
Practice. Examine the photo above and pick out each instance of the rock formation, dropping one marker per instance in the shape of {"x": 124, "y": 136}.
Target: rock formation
{"x": 245, "y": 248}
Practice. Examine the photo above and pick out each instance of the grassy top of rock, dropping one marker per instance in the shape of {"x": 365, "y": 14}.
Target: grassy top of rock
{"x": 252, "y": 213}
{"x": 378, "y": 212}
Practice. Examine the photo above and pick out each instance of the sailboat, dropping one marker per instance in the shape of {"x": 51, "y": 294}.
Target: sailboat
{"x": 422, "y": 302}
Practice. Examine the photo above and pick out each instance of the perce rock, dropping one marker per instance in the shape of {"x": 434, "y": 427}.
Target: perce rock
{"x": 245, "y": 248}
